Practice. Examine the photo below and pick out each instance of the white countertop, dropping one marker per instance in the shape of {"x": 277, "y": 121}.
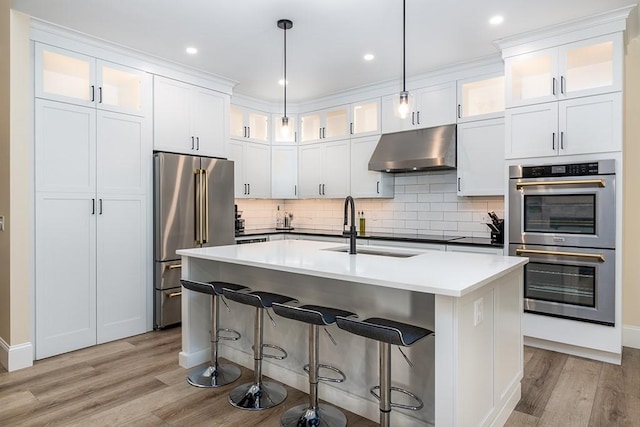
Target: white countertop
{"x": 436, "y": 272}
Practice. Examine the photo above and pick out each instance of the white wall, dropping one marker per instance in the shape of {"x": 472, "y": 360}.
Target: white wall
{"x": 424, "y": 203}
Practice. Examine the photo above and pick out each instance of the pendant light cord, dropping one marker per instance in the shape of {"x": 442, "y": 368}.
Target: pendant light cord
{"x": 285, "y": 71}
{"x": 404, "y": 55}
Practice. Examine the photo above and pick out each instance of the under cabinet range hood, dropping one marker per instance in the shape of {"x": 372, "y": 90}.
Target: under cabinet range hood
{"x": 416, "y": 150}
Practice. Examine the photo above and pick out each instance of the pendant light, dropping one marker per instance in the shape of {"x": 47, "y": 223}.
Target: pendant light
{"x": 404, "y": 100}
{"x": 285, "y": 25}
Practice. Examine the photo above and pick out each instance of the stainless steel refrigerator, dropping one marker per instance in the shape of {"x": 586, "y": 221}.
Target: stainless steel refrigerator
{"x": 193, "y": 207}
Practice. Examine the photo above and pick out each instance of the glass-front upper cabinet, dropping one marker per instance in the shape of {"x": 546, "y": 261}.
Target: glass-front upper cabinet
{"x": 587, "y": 67}
{"x": 480, "y": 98}
{"x": 282, "y": 135}
{"x": 248, "y": 124}
{"x": 326, "y": 124}
{"x": 68, "y": 76}
{"x": 365, "y": 118}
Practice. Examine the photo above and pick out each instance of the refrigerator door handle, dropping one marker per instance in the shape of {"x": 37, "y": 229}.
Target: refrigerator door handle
{"x": 205, "y": 213}
{"x": 198, "y": 207}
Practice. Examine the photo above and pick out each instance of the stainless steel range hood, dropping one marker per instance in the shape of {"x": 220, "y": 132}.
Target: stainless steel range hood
{"x": 416, "y": 150}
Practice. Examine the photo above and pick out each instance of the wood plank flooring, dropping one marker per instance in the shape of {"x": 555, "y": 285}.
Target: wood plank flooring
{"x": 137, "y": 382}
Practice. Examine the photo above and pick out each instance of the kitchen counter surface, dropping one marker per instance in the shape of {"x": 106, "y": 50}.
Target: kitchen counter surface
{"x": 407, "y": 237}
{"x": 434, "y": 272}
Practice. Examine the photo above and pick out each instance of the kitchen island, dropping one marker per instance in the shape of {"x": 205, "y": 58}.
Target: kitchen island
{"x": 468, "y": 373}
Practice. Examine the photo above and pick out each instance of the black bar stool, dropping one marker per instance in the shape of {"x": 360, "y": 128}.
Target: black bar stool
{"x": 314, "y": 414}
{"x": 214, "y": 375}
{"x": 386, "y": 332}
{"x": 258, "y": 394}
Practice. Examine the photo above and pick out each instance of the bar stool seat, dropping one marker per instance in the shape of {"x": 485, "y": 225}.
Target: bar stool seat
{"x": 214, "y": 375}
{"x": 259, "y": 394}
{"x": 314, "y": 414}
{"x": 387, "y": 332}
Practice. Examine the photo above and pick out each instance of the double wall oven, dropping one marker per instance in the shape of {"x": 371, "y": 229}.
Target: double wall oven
{"x": 562, "y": 217}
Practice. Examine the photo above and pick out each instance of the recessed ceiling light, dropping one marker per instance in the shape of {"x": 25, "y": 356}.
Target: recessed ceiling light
{"x": 281, "y": 82}
{"x": 369, "y": 57}
{"x": 192, "y": 50}
{"x": 496, "y": 20}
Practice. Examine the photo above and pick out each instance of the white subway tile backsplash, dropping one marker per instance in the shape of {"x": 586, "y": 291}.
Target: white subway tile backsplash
{"x": 424, "y": 202}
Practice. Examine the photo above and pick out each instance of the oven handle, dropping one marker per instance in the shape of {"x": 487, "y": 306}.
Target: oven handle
{"x": 598, "y": 182}
{"x": 599, "y": 257}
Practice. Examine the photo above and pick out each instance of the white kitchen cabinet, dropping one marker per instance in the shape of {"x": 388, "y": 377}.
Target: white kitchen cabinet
{"x": 480, "y": 98}
{"x": 252, "y": 169}
{"x": 591, "y": 124}
{"x": 326, "y": 125}
{"x": 365, "y": 118}
{"x": 474, "y": 249}
{"x": 67, "y": 76}
{"x": 284, "y": 172}
{"x": 432, "y": 106}
{"x": 189, "y": 119}
{"x": 481, "y": 170}
{"x": 281, "y": 137}
{"x": 92, "y": 226}
{"x": 583, "y": 68}
{"x": 324, "y": 170}
{"x": 249, "y": 124}
{"x": 366, "y": 183}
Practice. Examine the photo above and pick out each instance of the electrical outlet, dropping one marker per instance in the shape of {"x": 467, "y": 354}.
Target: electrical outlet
{"x": 478, "y": 314}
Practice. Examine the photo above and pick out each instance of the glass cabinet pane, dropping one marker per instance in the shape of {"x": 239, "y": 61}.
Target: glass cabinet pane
{"x": 568, "y": 284}
{"x": 365, "y": 118}
{"x": 310, "y": 127}
{"x": 589, "y": 67}
{"x": 121, "y": 88}
{"x": 66, "y": 76}
{"x": 236, "y": 127}
{"x": 482, "y": 97}
{"x": 337, "y": 123}
{"x": 532, "y": 77}
{"x": 258, "y": 126}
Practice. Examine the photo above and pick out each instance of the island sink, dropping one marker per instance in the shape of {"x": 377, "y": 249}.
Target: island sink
{"x": 379, "y": 252}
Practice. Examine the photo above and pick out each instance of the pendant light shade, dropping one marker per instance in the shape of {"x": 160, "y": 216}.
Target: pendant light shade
{"x": 404, "y": 101}
{"x": 285, "y": 24}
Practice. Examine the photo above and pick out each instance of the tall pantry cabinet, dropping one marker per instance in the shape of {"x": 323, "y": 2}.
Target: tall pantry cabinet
{"x": 92, "y": 177}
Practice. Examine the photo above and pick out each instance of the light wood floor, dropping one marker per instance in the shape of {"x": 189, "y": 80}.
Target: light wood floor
{"x": 137, "y": 382}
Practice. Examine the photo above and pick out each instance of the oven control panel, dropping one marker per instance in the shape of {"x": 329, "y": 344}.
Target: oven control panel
{"x": 573, "y": 169}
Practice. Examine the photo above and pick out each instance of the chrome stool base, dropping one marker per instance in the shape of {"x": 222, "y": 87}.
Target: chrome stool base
{"x": 256, "y": 397}
{"x": 305, "y": 416}
{"x": 212, "y": 376}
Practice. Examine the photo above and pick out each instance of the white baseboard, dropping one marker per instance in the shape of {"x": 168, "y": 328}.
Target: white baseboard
{"x": 631, "y": 336}
{"x": 589, "y": 353}
{"x": 16, "y": 357}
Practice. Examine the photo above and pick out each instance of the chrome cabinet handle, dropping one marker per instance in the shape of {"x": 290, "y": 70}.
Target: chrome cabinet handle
{"x": 320, "y": 189}
{"x": 413, "y": 118}
{"x": 418, "y": 117}
{"x": 553, "y": 85}
{"x": 93, "y": 206}
{"x": 192, "y": 142}
{"x": 561, "y": 84}
{"x": 319, "y": 133}
{"x": 93, "y": 93}
{"x": 295, "y": 190}
{"x": 562, "y": 140}
{"x": 351, "y": 128}
{"x": 100, "y": 95}
{"x": 323, "y": 193}
{"x": 248, "y": 131}
{"x": 459, "y": 179}
{"x": 100, "y": 206}
{"x": 378, "y": 187}
{"x": 459, "y": 114}
{"x": 553, "y": 141}
{"x": 248, "y": 188}
{"x": 198, "y": 143}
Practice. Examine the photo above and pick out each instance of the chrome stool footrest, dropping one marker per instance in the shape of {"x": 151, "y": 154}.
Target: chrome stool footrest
{"x": 400, "y": 405}
{"x": 274, "y": 356}
{"x": 328, "y": 379}
{"x": 236, "y": 335}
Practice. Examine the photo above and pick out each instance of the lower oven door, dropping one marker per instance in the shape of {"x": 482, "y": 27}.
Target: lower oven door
{"x": 570, "y": 282}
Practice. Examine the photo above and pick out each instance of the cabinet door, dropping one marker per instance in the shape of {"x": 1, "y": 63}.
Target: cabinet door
{"x": 257, "y": 126}
{"x": 284, "y": 172}
{"x": 123, "y": 153}
{"x": 389, "y": 120}
{"x": 65, "y": 273}
{"x": 531, "y": 77}
{"x": 310, "y": 128}
{"x": 366, "y": 183}
{"x": 336, "y": 169}
{"x": 66, "y": 76}
{"x": 237, "y": 128}
{"x": 481, "y": 167}
{"x": 258, "y": 170}
{"x": 365, "y": 118}
{"x": 122, "y": 89}
{"x": 235, "y": 152}
{"x": 336, "y": 123}
{"x": 480, "y": 98}
{"x": 171, "y": 116}
{"x": 209, "y": 122}
{"x": 281, "y": 137}
{"x": 436, "y": 105}
{"x": 591, "y": 67}
{"x": 311, "y": 169}
{"x": 122, "y": 234}
{"x": 591, "y": 124}
{"x": 532, "y": 131}
{"x": 65, "y": 147}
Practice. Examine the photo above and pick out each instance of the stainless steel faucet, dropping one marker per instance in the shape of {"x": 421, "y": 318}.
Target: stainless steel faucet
{"x": 348, "y": 202}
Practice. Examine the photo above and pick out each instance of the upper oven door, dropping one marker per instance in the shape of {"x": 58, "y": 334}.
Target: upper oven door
{"x": 563, "y": 211}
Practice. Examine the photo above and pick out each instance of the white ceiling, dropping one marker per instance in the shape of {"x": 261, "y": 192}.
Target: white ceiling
{"x": 239, "y": 39}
